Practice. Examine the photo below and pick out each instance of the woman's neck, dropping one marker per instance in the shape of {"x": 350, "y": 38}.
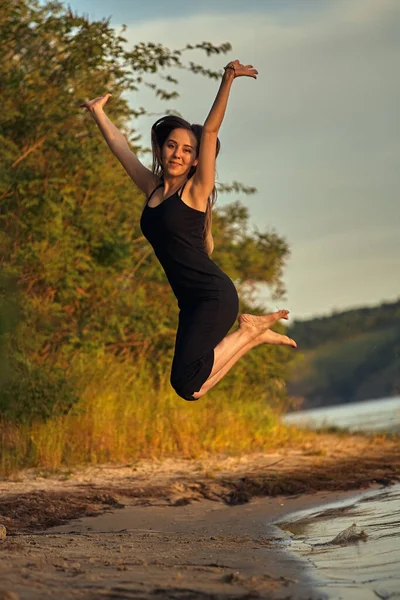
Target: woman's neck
{"x": 173, "y": 183}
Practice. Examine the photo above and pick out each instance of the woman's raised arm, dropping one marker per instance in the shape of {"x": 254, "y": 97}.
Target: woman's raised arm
{"x": 204, "y": 178}
{"x": 141, "y": 175}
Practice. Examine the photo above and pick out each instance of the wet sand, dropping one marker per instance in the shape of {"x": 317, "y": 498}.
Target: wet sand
{"x": 180, "y": 529}
{"x": 202, "y": 550}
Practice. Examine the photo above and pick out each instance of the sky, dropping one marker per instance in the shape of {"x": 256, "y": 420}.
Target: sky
{"x": 318, "y": 132}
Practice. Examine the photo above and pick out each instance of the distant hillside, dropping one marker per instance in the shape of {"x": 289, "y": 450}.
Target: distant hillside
{"x": 348, "y": 356}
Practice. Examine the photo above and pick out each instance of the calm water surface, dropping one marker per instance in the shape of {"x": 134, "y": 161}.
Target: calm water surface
{"x": 371, "y": 415}
{"x": 365, "y": 569}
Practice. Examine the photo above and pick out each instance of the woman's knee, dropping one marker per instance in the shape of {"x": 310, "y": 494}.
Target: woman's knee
{"x": 184, "y": 393}
{"x": 182, "y": 388}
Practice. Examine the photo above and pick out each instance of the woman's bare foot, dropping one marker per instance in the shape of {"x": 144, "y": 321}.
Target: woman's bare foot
{"x": 259, "y": 324}
{"x": 271, "y": 337}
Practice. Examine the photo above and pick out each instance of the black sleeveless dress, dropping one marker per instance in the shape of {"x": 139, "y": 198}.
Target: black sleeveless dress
{"x": 207, "y": 298}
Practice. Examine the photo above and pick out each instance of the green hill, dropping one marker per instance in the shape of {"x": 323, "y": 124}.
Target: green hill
{"x": 347, "y": 357}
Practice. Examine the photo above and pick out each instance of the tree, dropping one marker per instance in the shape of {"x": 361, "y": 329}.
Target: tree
{"x": 87, "y": 279}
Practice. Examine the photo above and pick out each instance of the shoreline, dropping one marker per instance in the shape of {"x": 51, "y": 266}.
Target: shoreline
{"x": 204, "y": 550}
{"x": 36, "y": 499}
{"x": 178, "y": 528}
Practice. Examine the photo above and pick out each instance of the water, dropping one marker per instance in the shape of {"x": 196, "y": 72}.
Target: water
{"x": 370, "y": 415}
{"x": 368, "y": 568}
{"x": 360, "y": 570}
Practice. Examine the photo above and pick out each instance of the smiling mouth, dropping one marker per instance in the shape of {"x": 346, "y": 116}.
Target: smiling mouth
{"x": 174, "y": 163}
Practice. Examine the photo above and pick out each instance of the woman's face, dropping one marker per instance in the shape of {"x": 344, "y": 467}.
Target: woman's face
{"x": 179, "y": 152}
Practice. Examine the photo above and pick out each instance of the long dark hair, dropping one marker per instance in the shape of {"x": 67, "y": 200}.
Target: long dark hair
{"x": 159, "y": 134}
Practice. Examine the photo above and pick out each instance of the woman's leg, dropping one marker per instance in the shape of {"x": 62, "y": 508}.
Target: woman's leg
{"x": 253, "y": 330}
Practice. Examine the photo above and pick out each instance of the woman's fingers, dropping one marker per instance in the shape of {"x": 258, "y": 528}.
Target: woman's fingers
{"x": 244, "y": 70}
{"x": 99, "y": 101}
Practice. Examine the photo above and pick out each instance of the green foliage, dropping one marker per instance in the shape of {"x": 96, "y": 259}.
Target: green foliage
{"x": 351, "y": 356}
{"x": 10, "y": 314}
{"x": 345, "y": 325}
{"x": 69, "y": 218}
{"x": 35, "y": 394}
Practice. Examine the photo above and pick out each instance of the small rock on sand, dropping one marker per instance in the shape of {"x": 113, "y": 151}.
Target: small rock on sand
{"x": 349, "y": 535}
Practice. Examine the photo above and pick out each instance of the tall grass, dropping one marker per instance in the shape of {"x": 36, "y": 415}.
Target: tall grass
{"x": 123, "y": 415}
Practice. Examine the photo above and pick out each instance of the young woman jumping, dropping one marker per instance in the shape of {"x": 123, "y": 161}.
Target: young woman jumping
{"x": 176, "y": 220}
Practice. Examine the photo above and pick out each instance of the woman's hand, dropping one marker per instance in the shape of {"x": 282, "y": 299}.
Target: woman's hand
{"x": 240, "y": 70}
{"x": 97, "y": 103}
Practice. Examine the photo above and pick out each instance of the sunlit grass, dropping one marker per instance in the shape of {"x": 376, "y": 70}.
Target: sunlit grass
{"x": 123, "y": 416}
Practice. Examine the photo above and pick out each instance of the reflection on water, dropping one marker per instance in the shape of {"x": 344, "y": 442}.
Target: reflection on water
{"x": 371, "y": 415}
{"x": 366, "y": 569}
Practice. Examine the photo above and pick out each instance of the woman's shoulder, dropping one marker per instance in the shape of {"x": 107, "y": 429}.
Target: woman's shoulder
{"x": 155, "y": 183}
{"x": 194, "y": 197}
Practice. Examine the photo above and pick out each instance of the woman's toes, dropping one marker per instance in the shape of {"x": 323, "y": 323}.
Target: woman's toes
{"x": 289, "y": 342}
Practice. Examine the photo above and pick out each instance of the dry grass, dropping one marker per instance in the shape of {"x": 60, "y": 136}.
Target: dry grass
{"x": 123, "y": 416}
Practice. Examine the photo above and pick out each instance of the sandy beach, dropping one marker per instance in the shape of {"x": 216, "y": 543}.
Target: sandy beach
{"x": 176, "y": 528}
